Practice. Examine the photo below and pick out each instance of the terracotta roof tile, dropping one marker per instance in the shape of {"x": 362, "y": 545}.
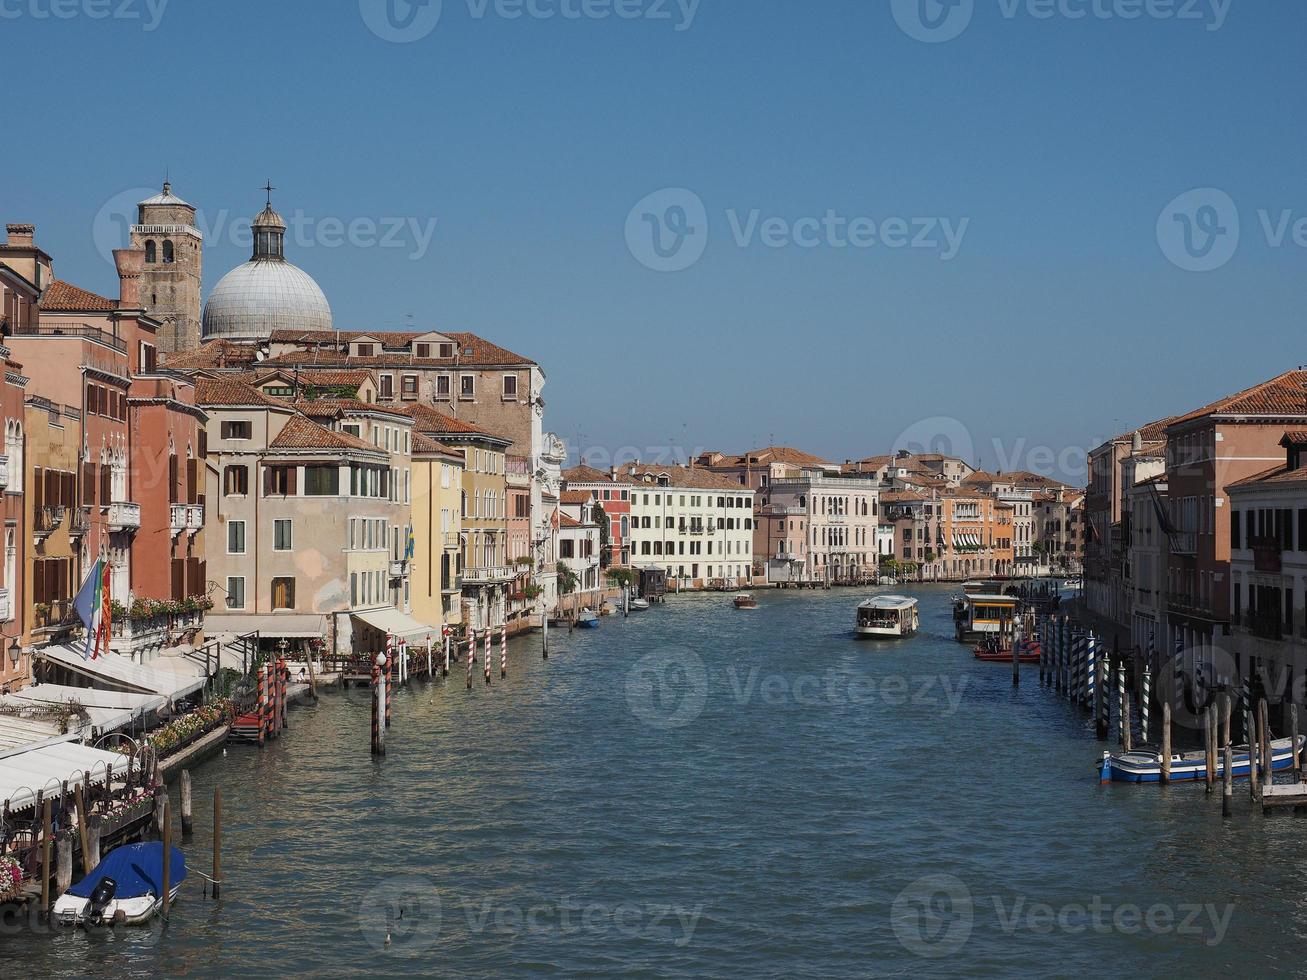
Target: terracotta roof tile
{"x": 233, "y": 392}
{"x": 588, "y": 474}
{"x": 215, "y": 355}
{"x": 472, "y": 350}
{"x": 425, "y": 444}
{"x": 60, "y": 295}
{"x": 303, "y": 433}
{"x": 683, "y": 476}
{"x": 565, "y": 521}
{"x": 1285, "y": 394}
{"x": 575, "y": 497}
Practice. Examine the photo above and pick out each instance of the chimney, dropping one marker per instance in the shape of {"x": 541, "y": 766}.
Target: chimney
{"x": 21, "y": 234}
{"x": 130, "y": 263}
{"x": 1137, "y": 442}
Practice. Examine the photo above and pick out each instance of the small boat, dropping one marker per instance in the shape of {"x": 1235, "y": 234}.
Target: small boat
{"x": 1028, "y": 652}
{"x": 887, "y": 580}
{"x": 637, "y": 604}
{"x": 887, "y": 616}
{"x": 979, "y": 616}
{"x": 128, "y": 882}
{"x": 745, "y": 601}
{"x": 1146, "y": 766}
{"x": 586, "y": 619}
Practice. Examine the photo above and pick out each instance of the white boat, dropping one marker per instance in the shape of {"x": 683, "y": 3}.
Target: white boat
{"x": 887, "y": 616}
{"x": 125, "y": 888}
{"x": 638, "y": 604}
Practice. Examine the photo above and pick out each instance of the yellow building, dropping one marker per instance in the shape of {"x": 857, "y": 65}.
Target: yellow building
{"x": 436, "y": 578}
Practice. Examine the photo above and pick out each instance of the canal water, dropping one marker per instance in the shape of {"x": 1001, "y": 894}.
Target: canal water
{"x": 703, "y": 791}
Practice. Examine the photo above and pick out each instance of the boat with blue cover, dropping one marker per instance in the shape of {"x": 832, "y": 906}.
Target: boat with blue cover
{"x": 129, "y": 880}
{"x": 586, "y": 619}
{"x": 1146, "y": 766}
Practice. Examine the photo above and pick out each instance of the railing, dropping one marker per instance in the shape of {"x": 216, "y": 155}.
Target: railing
{"x": 1266, "y": 626}
{"x": 80, "y": 521}
{"x": 124, "y": 516}
{"x": 1184, "y": 542}
{"x": 177, "y": 519}
{"x": 487, "y": 573}
{"x": 73, "y": 330}
{"x": 398, "y": 569}
{"x": 47, "y": 519}
{"x": 194, "y": 517}
{"x": 454, "y": 584}
{"x": 4, "y": 471}
{"x": 6, "y": 613}
{"x": 452, "y": 540}
{"x": 1267, "y": 554}
{"x": 53, "y": 612}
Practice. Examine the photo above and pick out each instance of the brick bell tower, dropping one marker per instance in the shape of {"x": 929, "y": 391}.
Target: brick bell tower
{"x": 171, "y": 278}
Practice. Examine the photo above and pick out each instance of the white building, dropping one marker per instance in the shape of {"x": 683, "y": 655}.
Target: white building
{"x": 695, "y": 524}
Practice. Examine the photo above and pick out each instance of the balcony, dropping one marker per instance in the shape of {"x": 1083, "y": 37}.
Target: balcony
{"x": 49, "y": 615}
{"x": 452, "y": 541}
{"x": 1265, "y": 626}
{"x": 46, "y": 520}
{"x": 398, "y": 569}
{"x": 177, "y": 519}
{"x": 6, "y": 612}
{"x": 124, "y": 516}
{"x": 4, "y": 472}
{"x": 487, "y": 574}
{"x": 1184, "y": 543}
{"x": 1266, "y": 554}
{"x": 79, "y": 522}
{"x": 194, "y": 517}
{"x": 451, "y": 586}
{"x": 1190, "y": 605}
{"x": 82, "y": 330}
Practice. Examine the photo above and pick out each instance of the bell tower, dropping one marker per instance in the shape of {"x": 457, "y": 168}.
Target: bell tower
{"x": 171, "y": 278}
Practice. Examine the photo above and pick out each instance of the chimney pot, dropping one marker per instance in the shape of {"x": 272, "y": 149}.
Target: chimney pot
{"x": 130, "y": 263}
{"x": 21, "y": 234}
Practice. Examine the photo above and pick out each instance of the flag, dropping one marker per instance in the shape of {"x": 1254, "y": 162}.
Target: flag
{"x": 90, "y": 606}
{"x": 106, "y": 610}
{"x": 410, "y": 549}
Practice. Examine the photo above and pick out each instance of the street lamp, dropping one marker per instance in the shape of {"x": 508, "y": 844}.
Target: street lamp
{"x": 15, "y": 653}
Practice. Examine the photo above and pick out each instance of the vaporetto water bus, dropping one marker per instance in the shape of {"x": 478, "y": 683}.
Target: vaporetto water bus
{"x": 891, "y": 616}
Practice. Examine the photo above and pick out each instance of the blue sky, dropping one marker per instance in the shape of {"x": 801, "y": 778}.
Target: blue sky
{"x": 1053, "y": 143}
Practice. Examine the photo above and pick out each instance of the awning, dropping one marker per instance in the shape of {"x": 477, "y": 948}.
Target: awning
{"x": 24, "y": 731}
{"x": 24, "y": 772}
{"x": 293, "y": 626}
{"x": 116, "y": 673}
{"x": 108, "y": 710}
{"x": 401, "y": 625}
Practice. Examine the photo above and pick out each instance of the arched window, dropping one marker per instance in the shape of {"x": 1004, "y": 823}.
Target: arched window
{"x": 151, "y": 253}
{"x": 167, "y": 252}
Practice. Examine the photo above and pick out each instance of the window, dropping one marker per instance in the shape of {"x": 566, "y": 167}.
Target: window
{"x": 354, "y": 430}
{"x": 321, "y": 481}
{"x": 279, "y": 481}
{"x": 168, "y": 254}
{"x": 235, "y": 537}
{"x": 235, "y": 592}
{"x": 283, "y": 593}
{"x": 446, "y": 350}
{"x": 442, "y": 386}
{"x": 236, "y": 429}
{"x": 422, "y": 350}
{"x": 236, "y": 481}
{"x": 510, "y": 386}
{"x": 409, "y": 386}
{"x": 364, "y": 350}
{"x": 149, "y": 357}
{"x": 467, "y": 386}
{"x": 151, "y": 253}
{"x": 387, "y": 386}
{"x": 281, "y": 535}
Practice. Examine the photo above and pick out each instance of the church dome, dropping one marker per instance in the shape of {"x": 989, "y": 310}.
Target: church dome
{"x": 267, "y": 293}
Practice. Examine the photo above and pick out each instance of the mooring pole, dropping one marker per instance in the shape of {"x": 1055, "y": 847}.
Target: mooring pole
{"x": 217, "y": 841}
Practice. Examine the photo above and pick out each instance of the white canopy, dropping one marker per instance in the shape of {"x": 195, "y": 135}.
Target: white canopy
{"x": 118, "y": 673}
{"x": 292, "y": 626}
{"x": 401, "y": 625}
{"x": 23, "y": 772}
{"x": 108, "y": 710}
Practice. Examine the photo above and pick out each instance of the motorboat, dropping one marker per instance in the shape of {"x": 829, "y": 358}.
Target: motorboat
{"x": 587, "y": 619}
{"x": 983, "y": 616}
{"x": 125, "y": 888}
{"x": 1146, "y": 766}
{"x": 745, "y": 601}
{"x": 892, "y": 616}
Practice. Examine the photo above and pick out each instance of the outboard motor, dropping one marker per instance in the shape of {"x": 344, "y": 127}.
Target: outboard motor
{"x": 100, "y": 899}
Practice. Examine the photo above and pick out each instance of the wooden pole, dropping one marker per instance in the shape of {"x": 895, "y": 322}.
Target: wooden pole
{"x": 167, "y": 856}
{"x": 45, "y": 858}
{"x": 1209, "y": 748}
{"x": 1293, "y": 739}
{"x": 188, "y": 824}
{"x": 92, "y": 843}
{"x": 217, "y": 841}
{"x": 1016, "y": 663}
{"x": 160, "y": 808}
{"x": 377, "y": 709}
{"x": 388, "y": 685}
{"x": 313, "y": 678}
{"x": 63, "y": 862}
{"x": 1251, "y": 732}
{"x": 544, "y": 636}
{"x": 1166, "y": 740}
{"x": 1043, "y": 648}
{"x": 1268, "y": 759}
{"x": 1227, "y": 774}
{"x": 83, "y": 834}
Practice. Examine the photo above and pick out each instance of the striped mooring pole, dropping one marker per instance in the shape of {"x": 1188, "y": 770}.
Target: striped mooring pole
{"x": 1120, "y": 700}
{"x": 389, "y": 681}
{"x": 1043, "y": 647}
{"x": 263, "y": 704}
{"x": 1091, "y": 673}
{"x": 471, "y": 643}
{"x": 488, "y": 633}
{"x": 378, "y": 739}
{"x": 1145, "y": 697}
{"x": 503, "y": 651}
{"x": 447, "y": 642}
